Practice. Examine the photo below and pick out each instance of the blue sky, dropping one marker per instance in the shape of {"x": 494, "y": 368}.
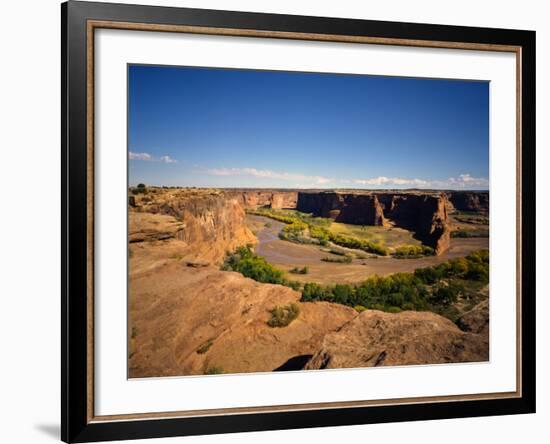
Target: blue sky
{"x": 245, "y": 128}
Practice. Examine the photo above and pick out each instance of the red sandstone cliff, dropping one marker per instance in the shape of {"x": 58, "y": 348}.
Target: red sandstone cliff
{"x": 476, "y": 201}
{"x": 209, "y": 223}
{"x": 425, "y": 214}
{"x": 265, "y": 198}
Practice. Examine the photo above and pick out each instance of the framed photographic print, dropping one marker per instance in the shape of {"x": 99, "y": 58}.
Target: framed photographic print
{"x": 275, "y": 221}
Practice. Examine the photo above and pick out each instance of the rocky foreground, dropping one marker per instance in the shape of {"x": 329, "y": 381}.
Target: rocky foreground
{"x": 187, "y": 317}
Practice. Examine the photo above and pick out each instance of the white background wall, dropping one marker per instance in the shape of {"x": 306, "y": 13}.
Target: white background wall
{"x": 30, "y": 221}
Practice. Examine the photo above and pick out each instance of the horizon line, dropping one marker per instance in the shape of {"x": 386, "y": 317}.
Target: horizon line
{"x": 311, "y": 189}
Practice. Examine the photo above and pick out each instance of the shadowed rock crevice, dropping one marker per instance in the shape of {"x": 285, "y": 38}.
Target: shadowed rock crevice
{"x": 294, "y": 363}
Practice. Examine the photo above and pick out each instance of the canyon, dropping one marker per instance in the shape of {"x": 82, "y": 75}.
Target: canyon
{"x": 423, "y": 213}
{"x": 188, "y": 317}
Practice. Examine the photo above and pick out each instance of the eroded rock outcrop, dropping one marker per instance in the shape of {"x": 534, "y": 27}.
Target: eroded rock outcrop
{"x": 210, "y": 223}
{"x": 152, "y": 227}
{"x": 188, "y": 321}
{"x": 477, "y": 319}
{"x": 375, "y": 338}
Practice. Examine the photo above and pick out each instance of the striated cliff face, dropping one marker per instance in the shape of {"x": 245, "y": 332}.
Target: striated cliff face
{"x": 477, "y": 201}
{"x": 360, "y": 209}
{"x": 425, "y": 214}
{"x": 209, "y": 223}
{"x": 265, "y": 198}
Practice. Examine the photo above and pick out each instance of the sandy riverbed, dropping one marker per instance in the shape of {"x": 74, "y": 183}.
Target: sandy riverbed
{"x": 287, "y": 255}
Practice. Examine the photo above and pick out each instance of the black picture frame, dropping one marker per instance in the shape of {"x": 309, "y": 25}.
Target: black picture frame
{"x": 76, "y": 423}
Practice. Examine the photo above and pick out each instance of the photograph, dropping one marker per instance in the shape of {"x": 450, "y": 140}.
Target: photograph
{"x": 304, "y": 221}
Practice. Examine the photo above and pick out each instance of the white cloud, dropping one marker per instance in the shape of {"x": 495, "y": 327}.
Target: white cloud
{"x": 466, "y": 180}
{"x": 297, "y": 180}
{"x": 462, "y": 181}
{"x": 147, "y": 157}
{"x": 140, "y": 156}
{"x": 168, "y": 159}
{"x": 269, "y": 174}
{"x": 383, "y": 181}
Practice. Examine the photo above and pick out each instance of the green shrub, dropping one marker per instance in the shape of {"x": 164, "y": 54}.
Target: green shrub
{"x": 338, "y": 260}
{"x": 445, "y": 295}
{"x": 413, "y": 251}
{"x": 359, "y": 308}
{"x": 296, "y": 270}
{"x": 283, "y": 315}
{"x": 253, "y": 266}
{"x": 440, "y": 285}
{"x": 140, "y": 189}
{"x": 214, "y": 371}
{"x": 338, "y": 252}
{"x": 475, "y": 266}
{"x": 292, "y": 284}
{"x": 478, "y": 272}
{"x": 296, "y": 228}
{"x": 319, "y": 233}
{"x": 358, "y": 244}
{"x": 462, "y": 233}
{"x": 393, "y": 310}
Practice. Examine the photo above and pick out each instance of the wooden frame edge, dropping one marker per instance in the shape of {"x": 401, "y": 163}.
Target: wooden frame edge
{"x": 92, "y": 25}
{"x": 335, "y": 38}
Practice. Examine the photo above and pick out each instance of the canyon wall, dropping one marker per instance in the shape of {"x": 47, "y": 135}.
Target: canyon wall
{"x": 360, "y": 209}
{"x": 476, "y": 201}
{"x": 265, "y": 198}
{"x": 424, "y": 214}
{"x": 210, "y": 223}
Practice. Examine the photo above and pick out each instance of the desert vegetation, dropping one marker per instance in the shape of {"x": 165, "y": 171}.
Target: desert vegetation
{"x": 430, "y": 288}
{"x": 283, "y": 315}
{"x": 307, "y": 229}
{"x": 413, "y": 251}
{"x": 139, "y": 189}
{"x": 250, "y": 265}
{"x": 297, "y": 270}
{"x": 338, "y": 260}
{"x": 467, "y": 233}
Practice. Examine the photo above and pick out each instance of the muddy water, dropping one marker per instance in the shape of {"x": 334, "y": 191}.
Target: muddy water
{"x": 287, "y": 255}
